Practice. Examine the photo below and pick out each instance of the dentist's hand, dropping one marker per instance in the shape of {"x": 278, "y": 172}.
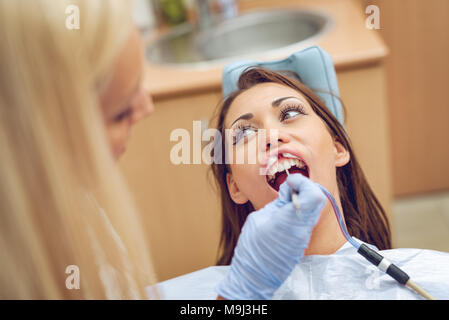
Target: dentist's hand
{"x": 272, "y": 242}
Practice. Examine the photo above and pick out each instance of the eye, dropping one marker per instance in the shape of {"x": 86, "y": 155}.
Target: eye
{"x": 123, "y": 115}
{"x": 241, "y": 132}
{"x": 291, "y": 111}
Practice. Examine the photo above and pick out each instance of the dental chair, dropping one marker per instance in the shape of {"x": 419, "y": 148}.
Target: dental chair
{"x": 314, "y": 67}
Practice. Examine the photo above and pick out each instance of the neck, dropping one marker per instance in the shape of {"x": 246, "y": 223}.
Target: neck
{"x": 326, "y": 237}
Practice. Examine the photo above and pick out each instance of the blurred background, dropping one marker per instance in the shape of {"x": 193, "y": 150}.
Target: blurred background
{"x": 392, "y": 66}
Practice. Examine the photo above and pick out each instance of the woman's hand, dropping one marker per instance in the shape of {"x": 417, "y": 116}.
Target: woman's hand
{"x": 272, "y": 242}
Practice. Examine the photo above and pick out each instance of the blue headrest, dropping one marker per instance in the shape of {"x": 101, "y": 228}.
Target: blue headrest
{"x": 313, "y": 65}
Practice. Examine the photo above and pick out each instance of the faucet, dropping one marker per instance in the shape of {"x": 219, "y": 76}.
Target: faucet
{"x": 228, "y": 9}
{"x": 203, "y": 9}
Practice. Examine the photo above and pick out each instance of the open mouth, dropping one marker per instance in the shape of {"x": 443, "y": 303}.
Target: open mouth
{"x": 277, "y": 171}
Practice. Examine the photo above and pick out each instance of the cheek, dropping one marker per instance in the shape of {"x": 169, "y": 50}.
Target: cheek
{"x": 253, "y": 185}
{"x": 246, "y": 178}
{"x": 323, "y": 169}
{"x": 243, "y": 152}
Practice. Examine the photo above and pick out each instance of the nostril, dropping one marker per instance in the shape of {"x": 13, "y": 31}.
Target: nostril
{"x": 276, "y": 143}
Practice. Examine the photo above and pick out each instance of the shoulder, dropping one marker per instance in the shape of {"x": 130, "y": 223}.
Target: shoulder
{"x": 420, "y": 261}
{"x": 423, "y": 257}
{"x": 427, "y": 268}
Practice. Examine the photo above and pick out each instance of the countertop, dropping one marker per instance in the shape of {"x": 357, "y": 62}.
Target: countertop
{"x": 349, "y": 43}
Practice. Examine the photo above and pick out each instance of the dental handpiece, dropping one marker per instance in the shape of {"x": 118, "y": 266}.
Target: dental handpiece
{"x": 295, "y": 196}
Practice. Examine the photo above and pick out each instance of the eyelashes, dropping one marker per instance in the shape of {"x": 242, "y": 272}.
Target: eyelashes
{"x": 124, "y": 115}
{"x": 244, "y": 129}
{"x": 290, "y": 111}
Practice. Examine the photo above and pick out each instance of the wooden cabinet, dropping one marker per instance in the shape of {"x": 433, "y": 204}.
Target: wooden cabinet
{"x": 417, "y": 68}
{"x": 179, "y": 207}
{"x": 363, "y": 92}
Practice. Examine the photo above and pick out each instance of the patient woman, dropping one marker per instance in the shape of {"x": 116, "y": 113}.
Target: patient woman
{"x": 313, "y": 146}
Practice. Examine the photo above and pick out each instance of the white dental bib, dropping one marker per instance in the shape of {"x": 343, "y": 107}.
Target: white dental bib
{"x": 342, "y": 275}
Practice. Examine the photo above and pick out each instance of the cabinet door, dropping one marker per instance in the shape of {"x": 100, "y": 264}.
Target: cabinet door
{"x": 363, "y": 94}
{"x": 416, "y": 33}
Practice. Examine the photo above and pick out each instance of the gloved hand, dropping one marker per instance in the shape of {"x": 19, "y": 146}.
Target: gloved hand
{"x": 272, "y": 242}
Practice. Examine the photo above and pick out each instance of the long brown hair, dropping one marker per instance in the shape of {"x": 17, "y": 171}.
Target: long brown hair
{"x": 364, "y": 216}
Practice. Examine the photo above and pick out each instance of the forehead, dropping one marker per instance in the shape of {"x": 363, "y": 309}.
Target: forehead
{"x": 259, "y": 98}
{"x": 126, "y": 72}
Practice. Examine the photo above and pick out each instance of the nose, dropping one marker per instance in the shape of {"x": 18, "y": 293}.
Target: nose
{"x": 143, "y": 106}
{"x": 275, "y": 138}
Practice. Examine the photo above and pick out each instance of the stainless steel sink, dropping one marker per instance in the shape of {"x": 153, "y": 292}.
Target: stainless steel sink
{"x": 252, "y": 35}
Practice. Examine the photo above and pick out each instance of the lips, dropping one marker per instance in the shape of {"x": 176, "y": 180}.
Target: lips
{"x": 279, "y": 163}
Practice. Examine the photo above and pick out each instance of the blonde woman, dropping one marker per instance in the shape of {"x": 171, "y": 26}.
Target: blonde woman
{"x": 68, "y": 99}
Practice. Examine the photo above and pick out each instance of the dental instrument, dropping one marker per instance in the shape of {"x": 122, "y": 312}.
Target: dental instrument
{"x": 369, "y": 254}
{"x": 295, "y": 196}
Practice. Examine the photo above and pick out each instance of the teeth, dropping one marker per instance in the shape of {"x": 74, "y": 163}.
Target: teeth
{"x": 280, "y": 167}
{"x": 292, "y": 162}
{"x": 271, "y": 161}
{"x": 283, "y": 165}
{"x": 273, "y": 170}
{"x": 288, "y": 155}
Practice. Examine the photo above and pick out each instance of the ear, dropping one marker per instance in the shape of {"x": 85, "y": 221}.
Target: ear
{"x": 236, "y": 195}
{"x": 342, "y": 156}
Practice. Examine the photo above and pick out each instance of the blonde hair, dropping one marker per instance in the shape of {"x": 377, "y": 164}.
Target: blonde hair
{"x": 62, "y": 199}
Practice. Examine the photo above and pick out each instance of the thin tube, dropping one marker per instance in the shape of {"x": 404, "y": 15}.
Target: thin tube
{"x": 341, "y": 223}
{"x": 295, "y": 200}
{"x": 343, "y": 229}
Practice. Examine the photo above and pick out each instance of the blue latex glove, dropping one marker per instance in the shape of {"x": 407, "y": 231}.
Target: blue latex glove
{"x": 272, "y": 242}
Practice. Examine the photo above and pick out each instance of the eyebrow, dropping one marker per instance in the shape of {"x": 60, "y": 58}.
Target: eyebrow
{"x": 245, "y": 116}
{"x": 277, "y": 102}
{"x": 274, "y": 104}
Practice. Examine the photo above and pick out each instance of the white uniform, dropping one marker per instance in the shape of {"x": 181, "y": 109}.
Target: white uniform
{"x": 342, "y": 275}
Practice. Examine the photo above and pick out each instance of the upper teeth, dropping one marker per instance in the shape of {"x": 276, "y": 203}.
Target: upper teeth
{"x": 283, "y": 164}
{"x": 288, "y": 155}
